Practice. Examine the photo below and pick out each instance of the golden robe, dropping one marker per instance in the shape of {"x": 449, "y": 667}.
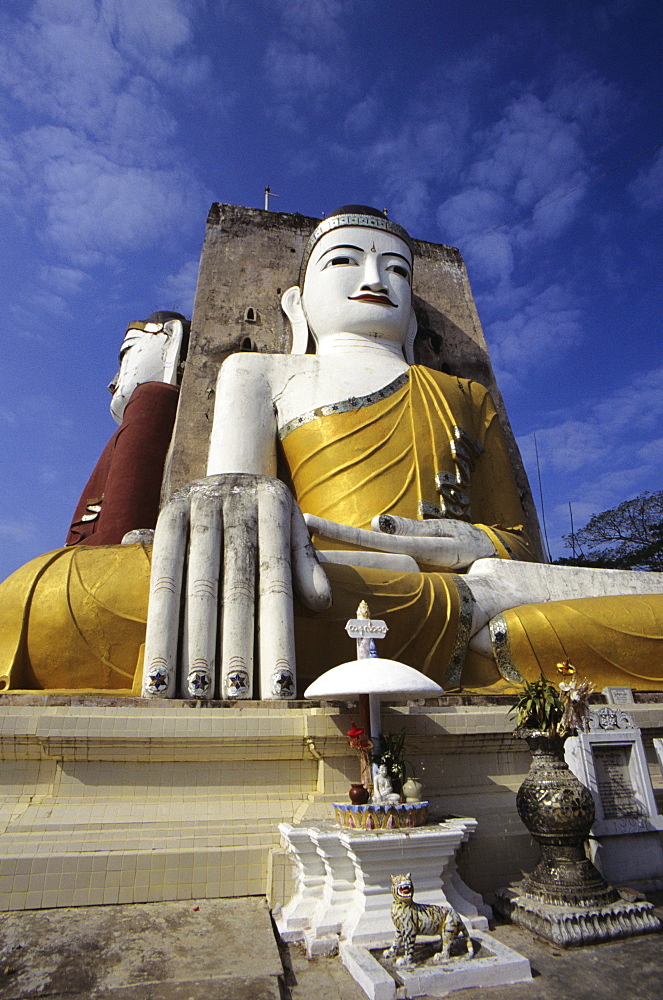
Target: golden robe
{"x": 610, "y": 640}
{"x": 428, "y": 443}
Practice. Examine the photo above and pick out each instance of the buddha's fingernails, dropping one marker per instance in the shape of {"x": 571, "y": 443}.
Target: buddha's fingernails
{"x": 388, "y": 524}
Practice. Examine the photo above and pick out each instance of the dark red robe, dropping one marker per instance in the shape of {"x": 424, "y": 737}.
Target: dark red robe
{"x": 126, "y": 481}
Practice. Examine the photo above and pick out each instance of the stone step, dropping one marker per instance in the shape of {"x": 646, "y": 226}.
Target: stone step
{"x": 174, "y": 951}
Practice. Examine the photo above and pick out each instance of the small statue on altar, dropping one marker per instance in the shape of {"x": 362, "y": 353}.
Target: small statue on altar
{"x": 383, "y": 790}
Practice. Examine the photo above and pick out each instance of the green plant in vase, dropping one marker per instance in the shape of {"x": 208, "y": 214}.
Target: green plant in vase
{"x": 556, "y": 711}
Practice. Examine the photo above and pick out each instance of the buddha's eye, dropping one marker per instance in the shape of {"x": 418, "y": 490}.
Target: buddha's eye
{"x": 340, "y": 260}
{"x": 398, "y": 269}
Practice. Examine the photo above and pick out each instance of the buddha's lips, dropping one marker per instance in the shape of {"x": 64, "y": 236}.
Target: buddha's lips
{"x": 383, "y": 300}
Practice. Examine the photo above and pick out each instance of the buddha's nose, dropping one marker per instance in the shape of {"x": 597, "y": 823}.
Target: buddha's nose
{"x": 373, "y": 281}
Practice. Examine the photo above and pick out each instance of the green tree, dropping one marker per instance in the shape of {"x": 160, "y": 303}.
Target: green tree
{"x": 629, "y": 536}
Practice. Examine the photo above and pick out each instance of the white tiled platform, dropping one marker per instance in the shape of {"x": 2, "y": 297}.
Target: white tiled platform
{"x": 131, "y": 801}
{"x": 120, "y": 805}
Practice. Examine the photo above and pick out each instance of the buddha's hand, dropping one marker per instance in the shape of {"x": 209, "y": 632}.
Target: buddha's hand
{"x": 238, "y": 540}
{"x": 441, "y": 544}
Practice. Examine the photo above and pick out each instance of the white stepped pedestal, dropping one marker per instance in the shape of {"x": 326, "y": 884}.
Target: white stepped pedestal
{"x": 349, "y": 907}
{"x": 352, "y": 902}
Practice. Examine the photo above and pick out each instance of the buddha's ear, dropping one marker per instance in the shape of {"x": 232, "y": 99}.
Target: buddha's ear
{"x": 291, "y": 303}
{"x": 408, "y": 346}
{"x": 171, "y": 354}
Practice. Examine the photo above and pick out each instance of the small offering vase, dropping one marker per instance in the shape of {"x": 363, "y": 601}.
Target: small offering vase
{"x": 412, "y": 790}
{"x": 358, "y": 794}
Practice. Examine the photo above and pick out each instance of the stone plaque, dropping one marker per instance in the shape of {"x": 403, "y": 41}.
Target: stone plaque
{"x": 619, "y": 695}
{"x": 614, "y": 781}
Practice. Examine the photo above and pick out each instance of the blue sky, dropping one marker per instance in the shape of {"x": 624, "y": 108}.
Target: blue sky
{"x": 528, "y": 134}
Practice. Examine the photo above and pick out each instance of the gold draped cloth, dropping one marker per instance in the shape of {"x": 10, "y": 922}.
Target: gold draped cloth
{"x": 75, "y": 618}
{"x": 611, "y": 640}
{"x": 383, "y": 454}
{"x": 386, "y": 453}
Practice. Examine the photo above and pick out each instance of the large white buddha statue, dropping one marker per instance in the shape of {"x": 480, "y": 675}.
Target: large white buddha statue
{"x": 401, "y": 471}
{"x": 332, "y": 477}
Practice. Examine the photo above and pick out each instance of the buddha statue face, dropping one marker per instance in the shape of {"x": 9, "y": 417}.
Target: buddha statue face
{"x": 358, "y": 280}
{"x": 150, "y": 352}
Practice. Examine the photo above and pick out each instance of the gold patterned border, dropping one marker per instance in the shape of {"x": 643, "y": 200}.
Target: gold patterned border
{"x": 454, "y": 669}
{"x": 353, "y": 403}
{"x": 499, "y": 636}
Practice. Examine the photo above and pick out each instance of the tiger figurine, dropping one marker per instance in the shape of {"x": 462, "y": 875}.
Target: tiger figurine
{"x": 412, "y": 918}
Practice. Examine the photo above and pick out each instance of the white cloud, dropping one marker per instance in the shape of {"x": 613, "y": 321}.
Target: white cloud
{"x": 66, "y": 280}
{"x": 609, "y": 452}
{"x": 530, "y": 157}
{"x": 581, "y": 442}
{"x": 93, "y": 161}
{"x": 314, "y": 22}
{"x": 17, "y": 531}
{"x": 60, "y": 62}
{"x": 472, "y": 210}
{"x": 307, "y": 60}
{"x": 492, "y": 256}
{"x": 300, "y": 80}
{"x": 580, "y": 96}
{"x": 408, "y": 162}
{"x": 10, "y": 171}
{"x": 534, "y": 335}
{"x": 296, "y": 72}
{"x": 523, "y": 186}
{"x": 178, "y": 290}
{"x": 97, "y": 204}
{"x": 647, "y": 188}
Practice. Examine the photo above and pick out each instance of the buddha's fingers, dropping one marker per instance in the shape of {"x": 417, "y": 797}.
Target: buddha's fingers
{"x": 240, "y": 529}
{"x": 459, "y": 549}
{"x": 163, "y": 617}
{"x": 275, "y": 611}
{"x": 357, "y": 537}
{"x": 202, "y": 603}
{"x": 392, "y": 524}
{"x": 455, "y": 544}
{"x": 311, "y": 583}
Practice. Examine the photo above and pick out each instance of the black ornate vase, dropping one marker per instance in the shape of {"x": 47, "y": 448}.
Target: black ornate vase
{"x": 558, "y": 811}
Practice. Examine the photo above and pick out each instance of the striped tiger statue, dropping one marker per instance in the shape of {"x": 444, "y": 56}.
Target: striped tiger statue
{"x": 412, "y": 918}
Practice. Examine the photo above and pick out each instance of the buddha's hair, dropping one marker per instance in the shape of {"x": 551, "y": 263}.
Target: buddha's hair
{"x": 352, "y": 215}
{"x": 163, "y": 316}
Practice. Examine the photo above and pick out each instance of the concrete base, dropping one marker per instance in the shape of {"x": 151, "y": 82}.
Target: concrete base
{"x": 569, "y": 926}
{"x": 223, "y": 949}
{"x": 632, "y": 859}
{"x": 344, "y": 881}
{"x": 493, "y": 965}
{"x": 124, "y": 801}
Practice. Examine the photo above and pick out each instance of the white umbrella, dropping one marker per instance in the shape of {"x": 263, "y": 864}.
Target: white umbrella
{"x": 371, "y": 679}
{"x": 374, "y": 675}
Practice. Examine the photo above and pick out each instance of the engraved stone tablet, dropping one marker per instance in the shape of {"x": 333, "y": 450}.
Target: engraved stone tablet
{"x": 610, "y": 760}
{"x": 618, "y": 695}
{"x": 614, "y": 781}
